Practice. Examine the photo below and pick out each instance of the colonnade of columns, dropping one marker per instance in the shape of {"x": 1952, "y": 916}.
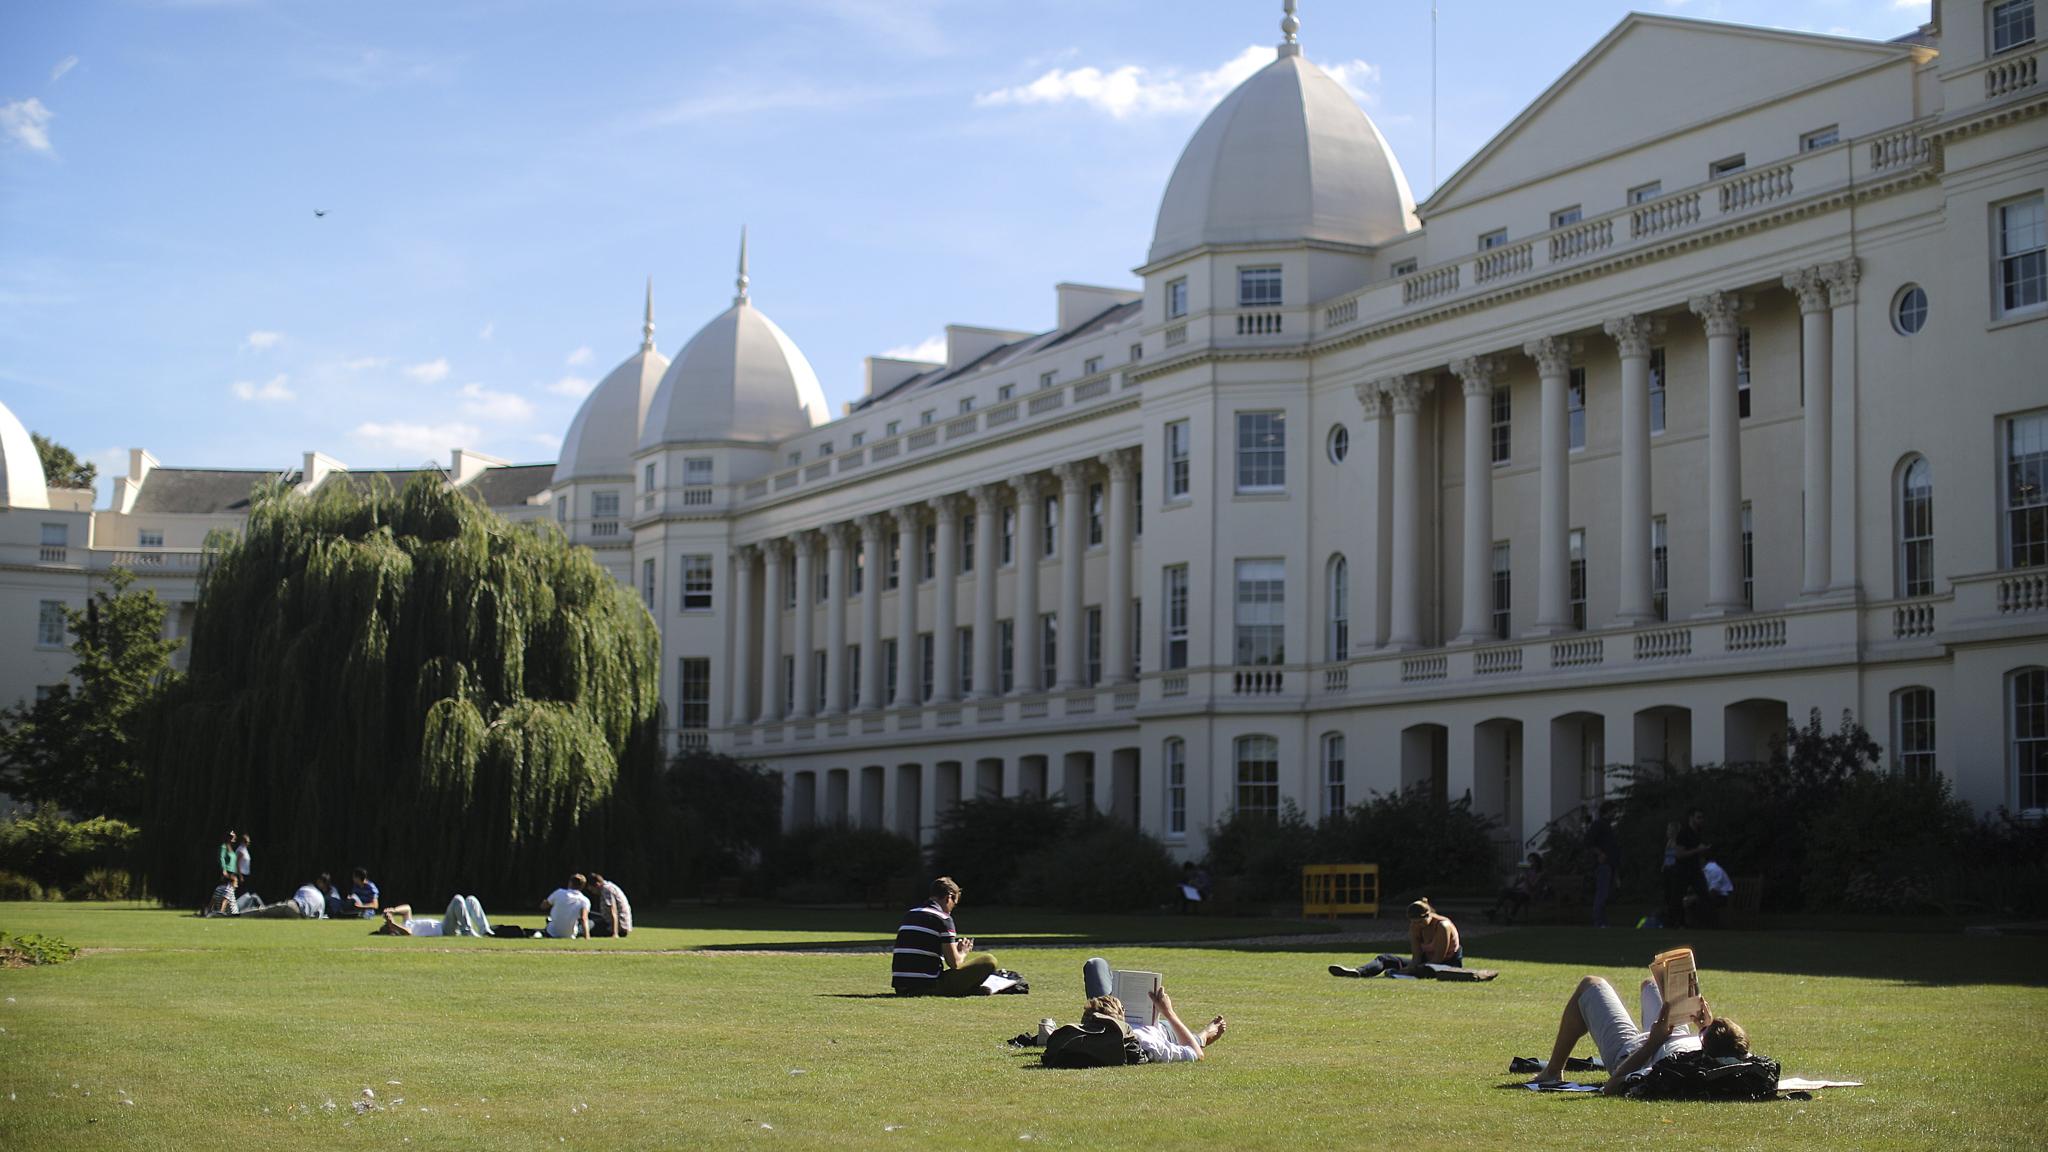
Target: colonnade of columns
{"x": 759, "y": 650}
{"x": 1826, "y": 294}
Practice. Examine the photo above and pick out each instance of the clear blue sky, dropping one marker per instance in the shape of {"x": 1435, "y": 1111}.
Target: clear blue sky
{"x": 501, "y": 177}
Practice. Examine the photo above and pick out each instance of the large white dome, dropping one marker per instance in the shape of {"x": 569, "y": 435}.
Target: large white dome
{"x": 739, "y": 378}
{"x": 21, "y": 466}
{"x": 606, "y": 432}
{"x": 1287, "y": 156}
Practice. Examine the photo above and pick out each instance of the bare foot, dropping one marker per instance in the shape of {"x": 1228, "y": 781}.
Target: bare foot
{"x": 1546, "y": 1081}
{"x": 1213, "y": 1032}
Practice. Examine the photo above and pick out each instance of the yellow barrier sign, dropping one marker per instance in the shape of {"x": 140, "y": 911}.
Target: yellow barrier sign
{"x": 1333, "y": 890}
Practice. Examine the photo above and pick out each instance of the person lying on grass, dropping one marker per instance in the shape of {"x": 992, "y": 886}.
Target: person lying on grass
{"x": 1432, "y": 939}
{"x": 465, "y": 917}
{"x": 1629, "y": 1052}
{"x": 1165, "y": 1040}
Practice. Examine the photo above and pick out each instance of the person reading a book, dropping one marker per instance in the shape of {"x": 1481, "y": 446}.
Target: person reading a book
{"x": 1628, "y": 1051}
{"x": 931, "y": 958}
{"x": 1432, "y": 939}
{"x": 1164, "y": 1039}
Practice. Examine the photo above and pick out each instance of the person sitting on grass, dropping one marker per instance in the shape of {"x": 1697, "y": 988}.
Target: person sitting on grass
{"x": 1432, "y": 939}
{"x": 931, "y": 958}
{"x": 568, "y": 910}
{"x": 1166, "y": 1040}
{"x": 1627, "y": 1051}
{"x": 222, "y": 901}
{"x": 1525, "y": 885}
{"x": 610, "y": 913}
{"x": 465, "y": 917}
{"x": 363, "y": 896}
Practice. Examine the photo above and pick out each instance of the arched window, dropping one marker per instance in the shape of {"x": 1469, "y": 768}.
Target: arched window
{"x": 1916, "y": 527}
{"x": 1258, "y": 776}
{"x": 1176, "y": 755}
{"x": 1913, "y": 732}
{"x": 1338, "y": 636}
{"x": 2026, "y": 705}
{"x": 1333, "y": 773}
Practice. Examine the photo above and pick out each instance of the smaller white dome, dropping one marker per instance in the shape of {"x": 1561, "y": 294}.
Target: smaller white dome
{"x": 739, "y": 378}
{"x": 21, "y": 466}
{"x": 607, "y": 428}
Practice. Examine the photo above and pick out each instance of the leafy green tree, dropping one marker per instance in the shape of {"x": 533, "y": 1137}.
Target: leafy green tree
{"x": 411, "y": 683}
{"x": 80, "y": 746}
{"x": 61, "y": 468}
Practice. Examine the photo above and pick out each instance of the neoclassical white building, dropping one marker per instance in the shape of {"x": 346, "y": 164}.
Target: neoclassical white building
{"x": 1713, "y": 390}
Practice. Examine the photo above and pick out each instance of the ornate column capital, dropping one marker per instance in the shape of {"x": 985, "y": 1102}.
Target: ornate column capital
{"x": 1719, "y": 311}
{"x": 944, "y": 506}
{"x": 1406, "y": 393}
{"x": 747, "y": 553}
{"x": 837, "y": 534}
{"x": 870, "y": 524}
{"x": 1120, "y": 463}
{"x": 1074, "y": 475}
{"x": 988, "y": 499}
{"x": 907, "y": 516}
{"x": 1371, "y": 399}
{"x": 1478, "y": 373}
{"x": 1811, "y": 286}
{"x": 1841, "y": 277}
{"x": 774, "y": 551}
{"x": 1028, "y": 486}
{"x": 1633, "y": 333}
{"x": 1552, "y": 354}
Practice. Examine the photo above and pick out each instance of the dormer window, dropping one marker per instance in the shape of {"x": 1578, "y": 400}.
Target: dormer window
{"x": 2012, "y": 25}
{"x": 892, "y": 428}
{"x": 1644, "y": 193}
{"x": 1402, "y": 268}
{"x": 1258, "y": 287}
{"x": 1005, "y": 392}
{"x": 927, "y": 416}
{"x": 966, "y": 405}
{"x": 1176, "y": 298}
{"x": 796, "y": 458}
{"x": 1091, "y": 366}
{"x": 1728, "y": 167}
{"x": 696, "y": 470}
{"x": 1566, "y": 217}
{"x": 1045, "y": 379}
{"x": 857, "y": 439}
{"x": 1494, "y": 239}
{"x": 1137, "y": 352}
{"x": 1820, "y": 138}
{"x": 825, "y": 449}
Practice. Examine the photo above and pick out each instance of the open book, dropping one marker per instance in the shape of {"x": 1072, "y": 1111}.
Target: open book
{"x": 1678, "y": 982}
{"x": 1135, "y": 990}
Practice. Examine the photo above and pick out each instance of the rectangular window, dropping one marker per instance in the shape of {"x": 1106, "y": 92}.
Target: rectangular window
{"x": 1503, "y": 591}
{"x": 1178, "y": 447}
{"x": 1333, "y": 773}
{"x": 647, "y": 476}
{"x": 1339, "y": 635}
{"x": 1137, "y": 635}
{"x": 696, "y": 470}
{"x": 604, "y": 505}
{"x": 1137, "y": 352}
{"x": 1742, "y": 373}
{"x": 1176, "y": 788}
{"x": 825, "y": 449}
{"x": 853, "y": 663}
{"x": 1138, "y": 504}
{"x": 1006, "y": 656}
{"x": 1820, "y": 138}
{"x": 647, "y": 583}
{"x": 1913, "y": 732}
{"x": 963, "y": 659}
{"x": 926, "y": 662}
{"x": 2028, "y": 720}
{"x": 1094, "y": 621}
{"x": 1091, "y": 366}
{"x": 1497, "y": 238}
{"x": 1176, "y": 298}
{"x": 1503, "y": 429}
{"x": 50, "y": 624}
{"x": 789, "y": 588}
{"x": 1575, "y": 407}
{"x": 1258, "y": 287}
{"x": 796, "y": 458}
{"x": 1402, "y": 268}
{"x": 1660, "y": 569}
{"x": 1644, "y": 193}
{"x": 818, "y": 681}
{"x": 696, "y": 583}
{"x": 693, "y": 694}
{"x": 927, "y": 416}
{"x": 1175, "y": 627}
{"x": 1261, "y": 451}
{"x": 1049, "y": 516}
{"x": 2022, "y": 255}
{"x": 1577, "y": 578}
{"x": 1727, "y": 167}
{"x": 1009, "y": 535}
{"x": 788, "y": 684}
{"x": 1748, "y": 556}
{"x": 966, "y": 405}
{"x": 892, "y": 428}
{"x": 2026, "y": 490}
{"x": 857, "y": 439}
{"x": 2012, "y": 25}
{"x": 821, "y": 584}
{"x": 1656, "y": 391}
{"x": 894, "y": 576}
{"x": 1566, "y": 217}
{"x": 967, "y": 531}
{"x": 858, "y": 565}
{"x": 929, "y": 567}
{"x": 1916, "y": 530}
{"x": 889, "y": 670}
{"x": 1048, "y": 649}
{"x": 1094, "y": 515}
{"x": 149, "y": 538}
{"x": 1261, "y": 617}
{"x": 1258, "y": 776}
{"x": 1005, "y": 392}
{"x": 1047, "y": 379}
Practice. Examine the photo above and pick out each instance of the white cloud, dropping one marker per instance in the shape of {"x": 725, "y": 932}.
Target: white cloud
{"x": 485, "y": 404}
{"x": 431, "y": 372}
{"x": 27, "y": 123}
{"x": 63, "y": 66}
{"x": 574, "y": 387}
{"x": 1135, "y": 90}
{"x": 1358, "y": 78}
{"x": 260, "y": 340}
{"x": 489, "y": 330}
{"x": 579, "y": 356}
{"x": 417, "y": 441}
{"x": 273, "y": 391}
{"x": 932, "y": 350}
{"x": 365, "y": 363}
{"x": 778, "y": 97}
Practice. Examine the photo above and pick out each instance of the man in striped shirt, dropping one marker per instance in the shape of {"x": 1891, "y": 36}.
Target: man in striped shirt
{"x": 931, "y": 959}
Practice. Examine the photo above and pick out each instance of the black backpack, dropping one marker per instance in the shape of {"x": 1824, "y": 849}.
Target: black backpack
{"x": 1096, "y": 1042}
{"x": 1695, "y": 1075}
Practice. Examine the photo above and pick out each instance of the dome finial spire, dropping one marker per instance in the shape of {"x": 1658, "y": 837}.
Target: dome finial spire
{"x": 741, "y": 298}
{"x": 647, "y": 327}
{"x": 1289, "y": 25}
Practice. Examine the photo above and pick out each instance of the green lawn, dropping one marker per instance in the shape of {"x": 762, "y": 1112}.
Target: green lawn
{"x": 180, "y": 1033}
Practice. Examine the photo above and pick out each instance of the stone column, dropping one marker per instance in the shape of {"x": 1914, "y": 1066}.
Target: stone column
{"x": 1632, "y": 336}
{"x": 1718, "y": 312}
{"x": 1073, "y": 652}
{"x": 806, "y": 575}
{"x": 1024, "y": 672}
{"x": 1404, "y": 629}
{"x": 1476, "y": 618}
{"x": 1815, "y": 350}
{"x": 1116, "y": 612}
{"x": 945, "y": 586}
{"x": 988, "y": 512}
{"x": 835, "y": 619}
{"x": 743, "y": 635}
{"x": 771, "y": 630}
{"x": 1843, "y": 571}
{"x": 1370, "y": 576}
{"x": 909, "y": 562}
{"x": 873, "y": 561}
{"x": 1553, "y": 356}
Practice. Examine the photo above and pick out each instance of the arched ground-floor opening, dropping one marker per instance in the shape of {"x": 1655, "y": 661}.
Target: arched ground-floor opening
{"x": 838, "y": 783}
{"x": 1749, "y": 727}
{"x": 873, "y": 787}
{"x": 1425, "y": 759}
{"x": 1125, "y": 802}
{"x": 803, "y": 799}
{"x": 988, "y": 778}
{"x": 1664, "y": 736}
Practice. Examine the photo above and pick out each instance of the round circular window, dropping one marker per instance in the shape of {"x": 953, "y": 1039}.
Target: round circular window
{"x": 1340, "y": 444}
{"x": 1909, "y": 310}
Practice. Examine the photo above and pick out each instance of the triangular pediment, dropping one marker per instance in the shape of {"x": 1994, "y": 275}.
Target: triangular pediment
{"x": 1651, "y": 77}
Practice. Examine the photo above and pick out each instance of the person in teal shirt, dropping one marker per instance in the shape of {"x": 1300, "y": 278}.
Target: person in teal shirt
{"x": 227, "y": 854}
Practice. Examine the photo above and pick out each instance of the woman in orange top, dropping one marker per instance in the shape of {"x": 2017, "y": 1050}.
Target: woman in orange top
{"x": 1432, "y": 939}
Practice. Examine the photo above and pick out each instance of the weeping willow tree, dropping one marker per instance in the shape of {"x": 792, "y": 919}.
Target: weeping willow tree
{"x": 410, "y": 683}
